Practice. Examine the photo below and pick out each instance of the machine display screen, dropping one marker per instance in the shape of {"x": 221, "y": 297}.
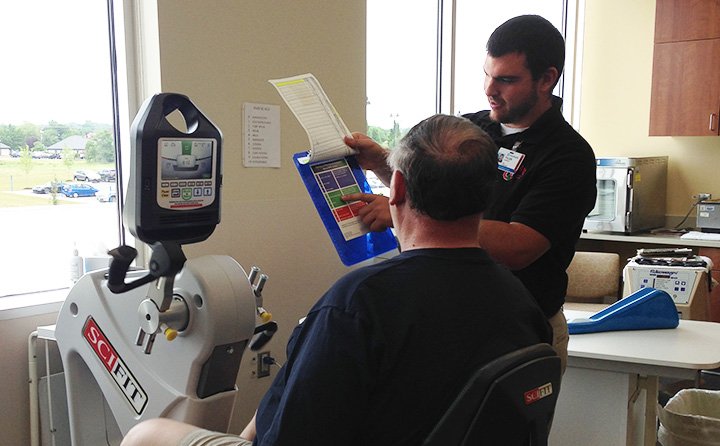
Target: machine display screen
{"x": 186, "y": 172}
{"x": 186, "y": 159}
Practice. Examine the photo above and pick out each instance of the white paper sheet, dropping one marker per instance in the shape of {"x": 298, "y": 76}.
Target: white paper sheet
{"x": 312, "y": 108}
{"x": 697, "y": 235}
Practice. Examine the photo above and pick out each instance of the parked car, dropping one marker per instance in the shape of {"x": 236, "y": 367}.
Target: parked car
{"x": 107, "y": 195}
{"x": 39, "y": 154}
{"x": 78, "y": 190}
{"x": 86, "y": 175}
{"x": 47, "y": 187}
{"x": 107, "y": 175}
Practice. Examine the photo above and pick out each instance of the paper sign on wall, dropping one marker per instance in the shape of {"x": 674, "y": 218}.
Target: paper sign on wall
{"x": 262, "y": 135}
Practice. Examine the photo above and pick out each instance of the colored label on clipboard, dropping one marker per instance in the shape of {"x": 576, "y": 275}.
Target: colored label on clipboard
{"x": 335, "y": 180}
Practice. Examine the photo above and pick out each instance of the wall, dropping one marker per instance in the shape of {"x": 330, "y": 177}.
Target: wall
{"x": 14, "y": 406}
{"x": 615, "y": 103}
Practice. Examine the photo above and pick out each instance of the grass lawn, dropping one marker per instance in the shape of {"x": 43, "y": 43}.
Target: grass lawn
{"x": 11, "y": 200}
{"x": 14, "y": 178}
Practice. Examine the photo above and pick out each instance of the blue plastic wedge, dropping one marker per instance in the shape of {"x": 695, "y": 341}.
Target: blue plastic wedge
{"x": 645, "y": 309}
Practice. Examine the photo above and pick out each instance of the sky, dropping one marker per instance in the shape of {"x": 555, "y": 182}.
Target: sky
{"x": 55, "y": 63}
{"x": 401, "y": 47}
{"x": 401, "y": 61}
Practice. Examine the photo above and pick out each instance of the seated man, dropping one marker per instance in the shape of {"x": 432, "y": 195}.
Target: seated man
{"x": 384, "y": 352}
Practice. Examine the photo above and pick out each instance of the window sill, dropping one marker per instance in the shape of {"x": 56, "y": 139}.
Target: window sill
{"x": 25, "y": 305}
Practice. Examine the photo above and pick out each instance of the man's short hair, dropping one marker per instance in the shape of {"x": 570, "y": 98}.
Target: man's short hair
{"x": 449, "y": 165}
{"x": 535, "y": 37}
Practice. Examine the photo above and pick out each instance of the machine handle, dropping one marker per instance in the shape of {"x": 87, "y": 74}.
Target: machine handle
{"x": 122, "y": 258}
{"x": 263, "y": 333}
{"x": 167, "y": 260}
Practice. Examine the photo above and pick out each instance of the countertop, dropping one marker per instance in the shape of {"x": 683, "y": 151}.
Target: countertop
{"x": 665, "y": 238}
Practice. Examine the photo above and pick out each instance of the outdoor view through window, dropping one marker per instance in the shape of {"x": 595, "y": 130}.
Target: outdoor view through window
{"x": 57, "y": 155}
{"x": 402, "y": 57}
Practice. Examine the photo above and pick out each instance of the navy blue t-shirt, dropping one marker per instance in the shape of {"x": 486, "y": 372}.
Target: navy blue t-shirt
{"x": 383, "y": 353}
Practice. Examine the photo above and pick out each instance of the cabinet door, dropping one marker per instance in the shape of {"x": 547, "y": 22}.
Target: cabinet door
{"x": 677, "y": 20}
{"x": 685, "y": 97}
{"x": 714, "y": 310}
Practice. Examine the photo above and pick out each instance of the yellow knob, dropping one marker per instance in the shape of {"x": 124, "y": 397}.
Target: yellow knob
{"x": 170, "y": 334}
{"x": 265, "y": 316}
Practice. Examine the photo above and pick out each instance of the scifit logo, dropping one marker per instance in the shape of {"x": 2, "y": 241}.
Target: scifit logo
{"x": 115, "y": 366}
{"x": 538, "y": 393}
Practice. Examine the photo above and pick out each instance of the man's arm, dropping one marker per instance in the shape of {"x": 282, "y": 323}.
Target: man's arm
{"x": 370, "y": 155}
{"x": 514, "y": 245}
{"x": 249, "y": 432}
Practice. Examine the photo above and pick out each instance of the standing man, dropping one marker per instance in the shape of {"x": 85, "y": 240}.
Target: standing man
{"x": 369, "y": 364}
{"x": 546, "y": 170}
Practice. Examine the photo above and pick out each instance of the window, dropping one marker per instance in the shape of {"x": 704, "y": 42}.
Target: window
{"x": 474, "y": 24}
{"x": 57, "y": 128}
{"x": 401, "y": 64}
{"x": 423, "y": 58}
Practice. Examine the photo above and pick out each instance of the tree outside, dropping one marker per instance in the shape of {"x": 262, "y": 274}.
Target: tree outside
{"x": 100, "y": 148}
{"x": 387, "y": 137}
{"x": 26, "y": 159}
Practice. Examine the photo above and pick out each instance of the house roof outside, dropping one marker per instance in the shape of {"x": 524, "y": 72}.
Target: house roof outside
{"x": 75, "y": 142}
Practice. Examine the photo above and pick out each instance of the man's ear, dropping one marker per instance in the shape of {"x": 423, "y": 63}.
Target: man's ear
{"x": 397, "y": 188}
{"x": 548, "y": 79}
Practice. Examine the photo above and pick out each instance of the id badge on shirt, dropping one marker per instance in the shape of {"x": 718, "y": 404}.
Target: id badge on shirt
{"x": 509, "y": 161}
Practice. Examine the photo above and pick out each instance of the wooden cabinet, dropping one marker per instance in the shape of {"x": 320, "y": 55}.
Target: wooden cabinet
{"x": 677, "y": 20}
{"x": 714, "y": 304}
{"x": 685, "y": 98}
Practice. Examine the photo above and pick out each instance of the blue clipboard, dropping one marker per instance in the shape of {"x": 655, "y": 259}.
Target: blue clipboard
{"x": 362, "y": 247}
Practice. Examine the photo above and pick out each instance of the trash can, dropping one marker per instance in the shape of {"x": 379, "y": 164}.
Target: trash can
{"x": 690, "y": 418}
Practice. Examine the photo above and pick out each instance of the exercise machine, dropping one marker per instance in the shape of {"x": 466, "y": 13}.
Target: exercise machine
{"x": 165, "y": 341}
